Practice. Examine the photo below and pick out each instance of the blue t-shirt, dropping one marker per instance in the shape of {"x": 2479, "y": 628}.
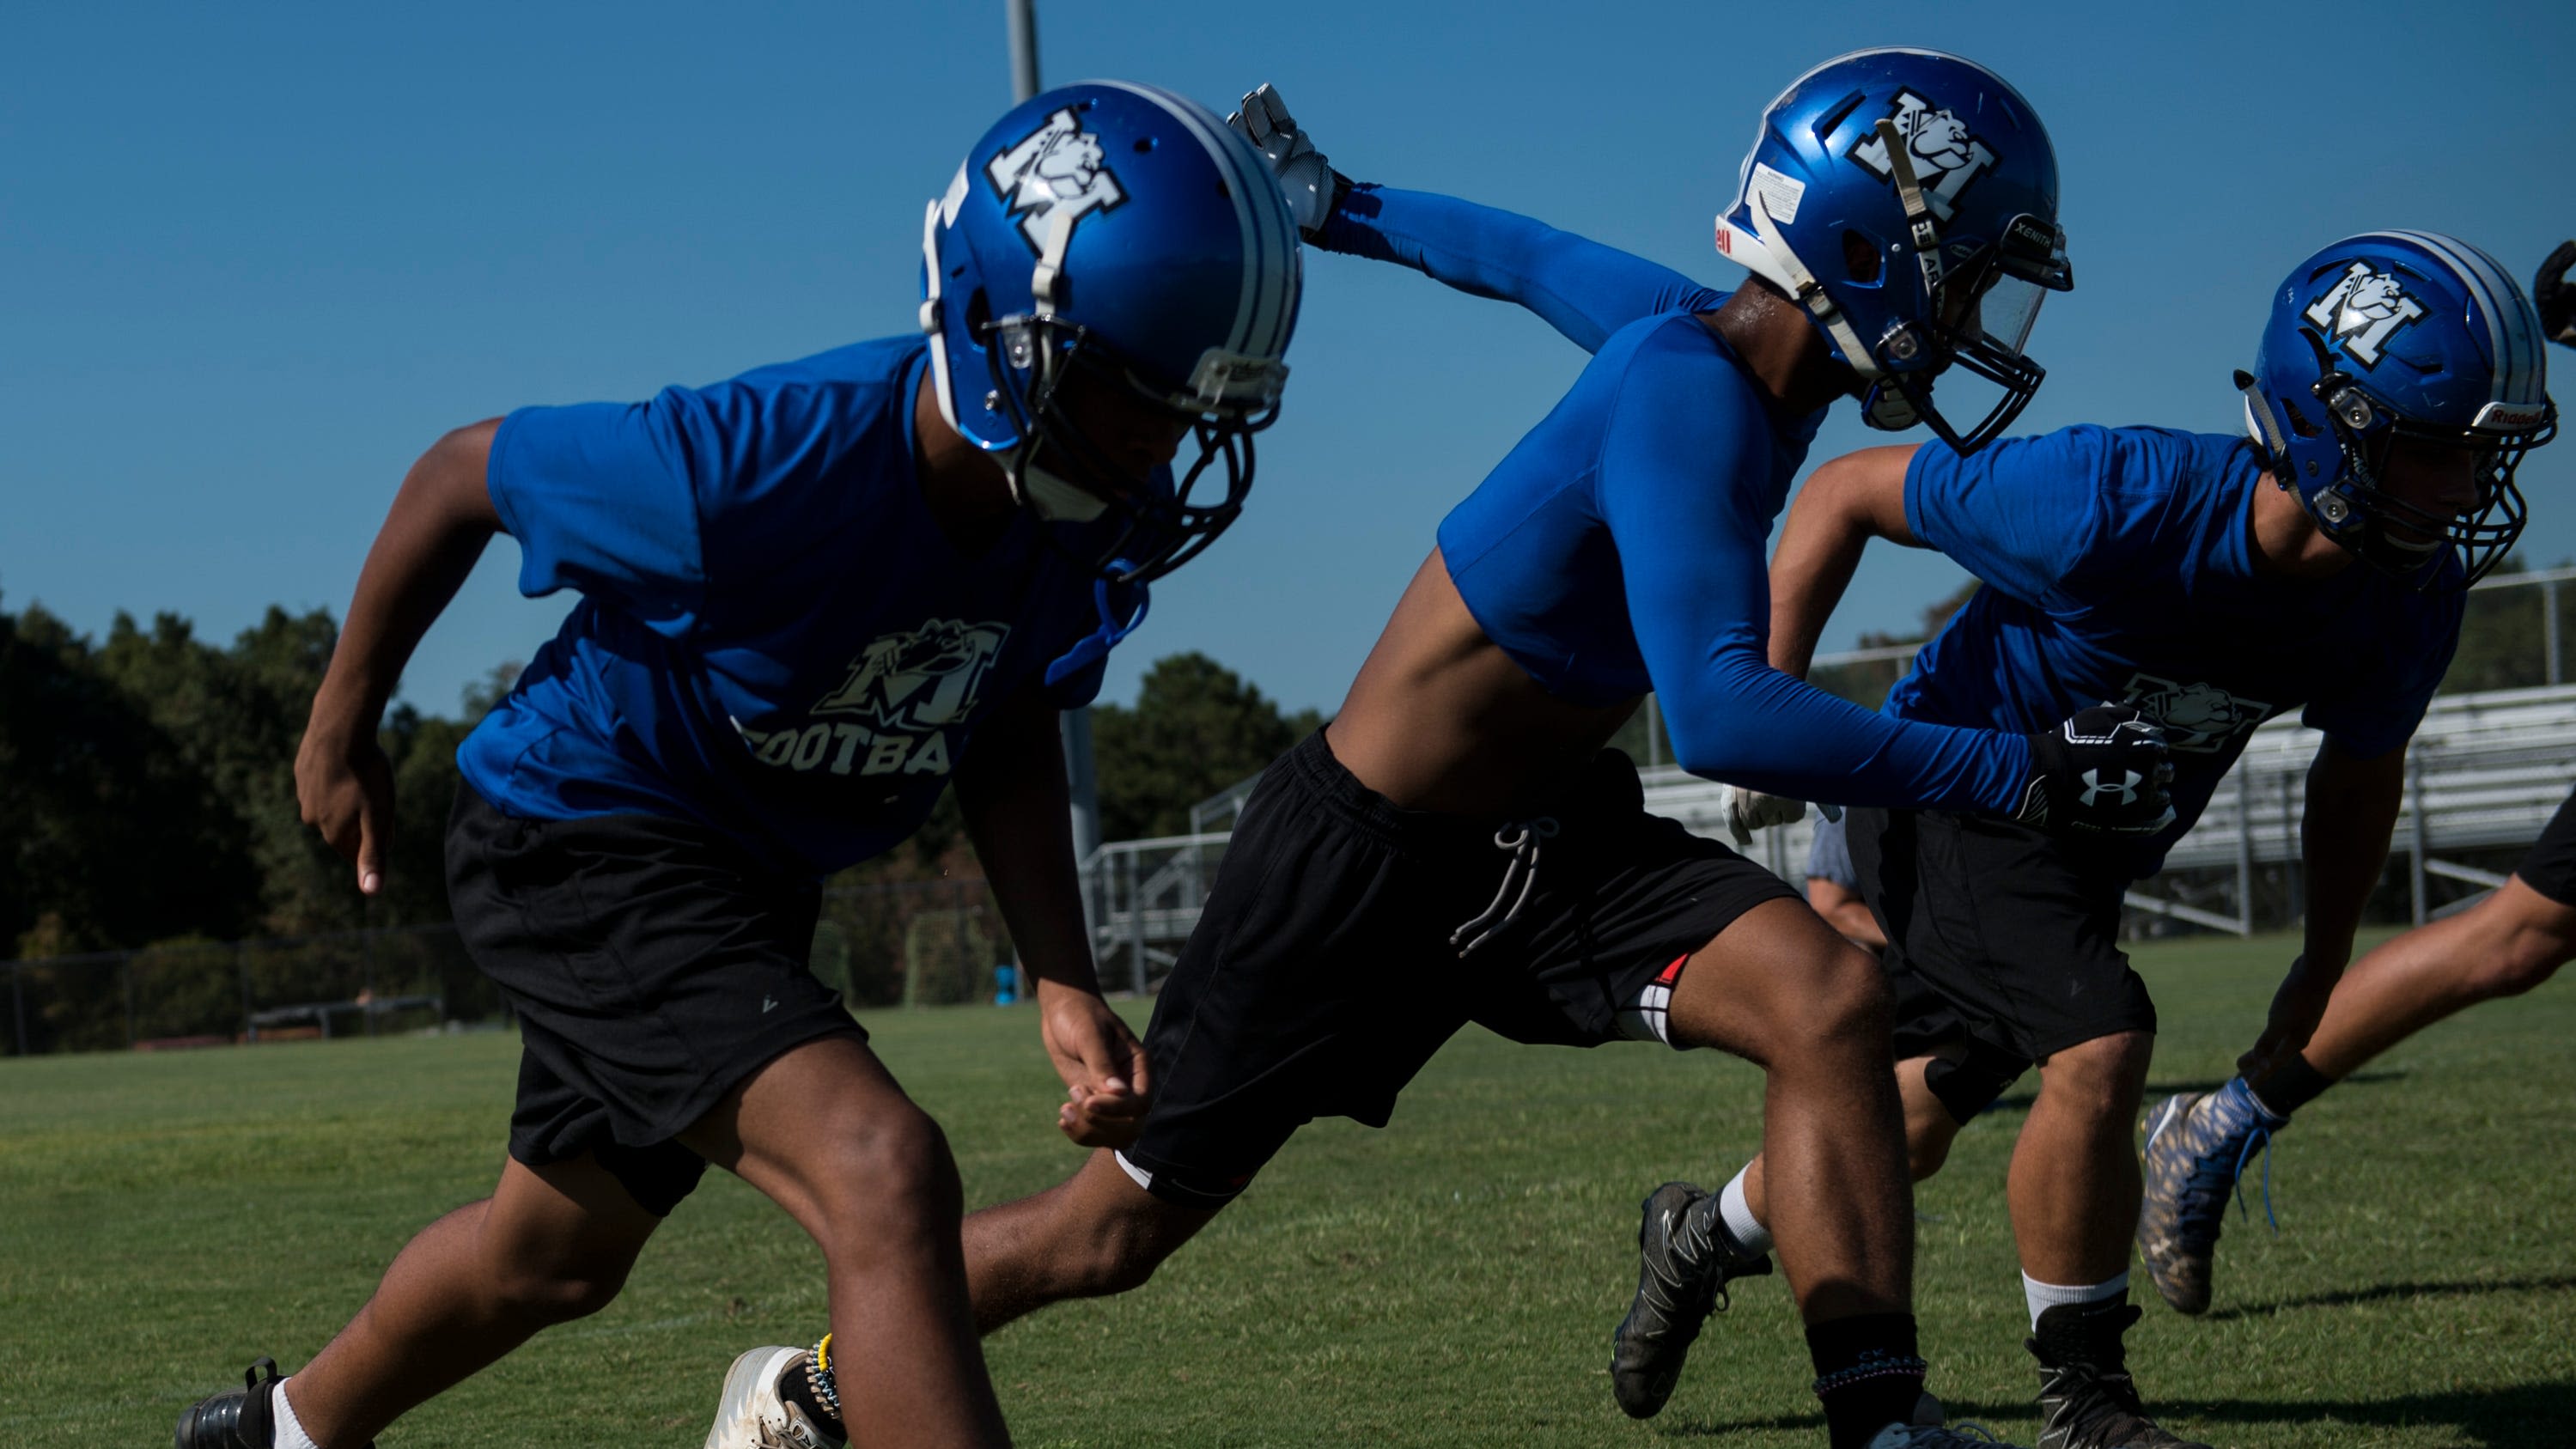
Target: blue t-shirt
{"x": 1620, "y": 547}
{"x": 774, "y": 638}
{"x": 2117, "y": 566}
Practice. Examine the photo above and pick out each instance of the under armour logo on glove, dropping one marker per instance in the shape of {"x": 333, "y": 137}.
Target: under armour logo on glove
{"x": 2095, "y": 789}
{"x": 2102, "y": 771}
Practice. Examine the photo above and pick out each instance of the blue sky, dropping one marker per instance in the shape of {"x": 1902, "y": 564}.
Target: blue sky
{"x": 255, "y": 257}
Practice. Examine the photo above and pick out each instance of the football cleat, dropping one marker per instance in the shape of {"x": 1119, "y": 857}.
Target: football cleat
{"x": 1687, "y": 1257}
{"x": 242, "y": 1418}
{"x": 2086, "y": 1399}
{"x": 752, "y": 1415}
{"x": 2197, "y": 1146}
{"x": 1936, "y": 1435}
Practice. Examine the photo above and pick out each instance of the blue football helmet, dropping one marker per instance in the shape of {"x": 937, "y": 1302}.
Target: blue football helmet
{"x": 1907, "y": 199}
{"x": 2401, "y": 334}
{"x": 1119, "y": 239}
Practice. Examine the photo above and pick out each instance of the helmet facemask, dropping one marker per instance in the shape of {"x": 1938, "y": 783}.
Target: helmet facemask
{"x": 1979, "y": 313}
{"x": 1035, "y": 360}
{"x": 2358, "y": 510}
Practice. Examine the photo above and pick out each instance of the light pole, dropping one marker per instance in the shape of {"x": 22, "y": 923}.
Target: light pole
{"x": 1081, "y": 783}
{"x": 1024, "y": 48}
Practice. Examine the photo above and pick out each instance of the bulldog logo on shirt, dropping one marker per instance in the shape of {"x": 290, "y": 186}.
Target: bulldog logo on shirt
{"x": 1058, "y": 166}
{"x": 919, "y": 680}
{"x": 2197, "y": 717}
{"x": 908, "y": 687}
{"x": 1945, "y": 154}
{"x": 2362, "y": 310}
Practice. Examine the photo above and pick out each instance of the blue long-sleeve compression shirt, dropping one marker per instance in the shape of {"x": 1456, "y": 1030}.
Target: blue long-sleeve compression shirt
{"x": 1619, "y": 548}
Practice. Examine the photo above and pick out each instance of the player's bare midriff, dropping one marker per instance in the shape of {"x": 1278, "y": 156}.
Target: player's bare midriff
{"x": 1440, "y": 717}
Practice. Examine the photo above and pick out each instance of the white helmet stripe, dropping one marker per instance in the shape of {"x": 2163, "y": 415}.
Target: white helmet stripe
{"x": 1271, "y": 245}
{"x": 2515, "y": 346}
{"x": 1267, "y": 295}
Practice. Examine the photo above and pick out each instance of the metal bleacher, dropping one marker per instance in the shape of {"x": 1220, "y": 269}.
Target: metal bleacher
{"x": 2485, "y": 773}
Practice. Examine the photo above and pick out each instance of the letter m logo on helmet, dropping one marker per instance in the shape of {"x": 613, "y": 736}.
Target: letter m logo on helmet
{"x": 2413, "y": 336}
{"x": 2362, "y": 310}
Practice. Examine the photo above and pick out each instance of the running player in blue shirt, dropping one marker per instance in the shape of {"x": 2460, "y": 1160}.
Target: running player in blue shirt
{"x": 2092, "y": 592}
{"x": 2212, "y": 582}
{"x": 1458, "y": 846}
{"x": 810, "y": 597}
{"x": 2505, "y": 945}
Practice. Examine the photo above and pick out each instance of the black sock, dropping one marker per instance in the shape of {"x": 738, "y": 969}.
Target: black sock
{"x": 798, "y": 1388}
{"x": 2292, "y": 1085}
{"x": 1867, "y": 1374}
{"x": 2085, "y": 1333}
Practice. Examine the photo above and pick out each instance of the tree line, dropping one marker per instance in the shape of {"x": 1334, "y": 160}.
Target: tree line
{"x": 147, "y": 782}
{"x": 147, "y": 787}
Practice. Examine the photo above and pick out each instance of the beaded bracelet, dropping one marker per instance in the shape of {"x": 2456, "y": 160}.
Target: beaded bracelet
{"x": 818, "y": 1374}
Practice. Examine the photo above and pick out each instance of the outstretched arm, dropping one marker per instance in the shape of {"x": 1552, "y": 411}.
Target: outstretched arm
{"x": 1576, "y": 285}
{"x": 1581, "y": 288}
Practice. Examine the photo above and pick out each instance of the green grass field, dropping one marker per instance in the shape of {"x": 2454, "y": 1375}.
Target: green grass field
{"x": 1450, "y": 1281}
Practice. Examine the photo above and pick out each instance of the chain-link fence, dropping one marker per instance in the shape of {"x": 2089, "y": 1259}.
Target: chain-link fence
{"x": 202, "y": 993}
{"x": 915, "y": 943}
{"x": 918, "y": 943}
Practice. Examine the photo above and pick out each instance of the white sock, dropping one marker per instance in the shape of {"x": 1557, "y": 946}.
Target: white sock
{"x": 290, "y": 1432}
{"x": 2044, "y": 1296}
{"x": 1738, "y": 1215}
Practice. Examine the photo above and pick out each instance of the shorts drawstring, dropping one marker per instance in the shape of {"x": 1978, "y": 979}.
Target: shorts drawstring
{"x": 1521, "y": 843}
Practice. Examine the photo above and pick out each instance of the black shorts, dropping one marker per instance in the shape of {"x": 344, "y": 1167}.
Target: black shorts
{"x": 2003, "y": 944}
{"x": 1345, "y": 939}
{"x": 2549, "y": 867}
{"x": 654, "y": 965}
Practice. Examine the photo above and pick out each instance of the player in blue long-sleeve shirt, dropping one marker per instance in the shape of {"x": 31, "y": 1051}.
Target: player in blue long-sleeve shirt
{"x": 1458, "y": 846}
{"x": 2121, "y": 563}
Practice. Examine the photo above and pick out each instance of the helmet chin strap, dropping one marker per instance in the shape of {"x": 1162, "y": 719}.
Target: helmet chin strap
{"x": 1925, "y": 231}
{"x": 1042, "y": 493}
{"x": 1809, "y": 292}
{"x": 1053, "y": 499}
{"x": 1885, "y": 407}
{"x": 2260, "y": 423}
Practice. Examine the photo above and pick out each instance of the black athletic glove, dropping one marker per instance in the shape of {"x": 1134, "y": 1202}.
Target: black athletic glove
{"x": 2555, "y": 295}
{"x": 2102, "y": 772}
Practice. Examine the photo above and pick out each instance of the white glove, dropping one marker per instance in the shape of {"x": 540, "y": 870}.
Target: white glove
{"x": 1747, "y": 811}
{"x": 1308, "y": 179}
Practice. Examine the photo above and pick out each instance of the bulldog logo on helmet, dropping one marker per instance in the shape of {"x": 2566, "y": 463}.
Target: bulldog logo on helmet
{"x": 1058, "y": 165}
{"x": 1946, "y": 154}
{"x": 2362, "y": 310}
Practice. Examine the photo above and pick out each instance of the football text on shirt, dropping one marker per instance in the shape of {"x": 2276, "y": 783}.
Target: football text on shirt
{"x": 909, "y": 687}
